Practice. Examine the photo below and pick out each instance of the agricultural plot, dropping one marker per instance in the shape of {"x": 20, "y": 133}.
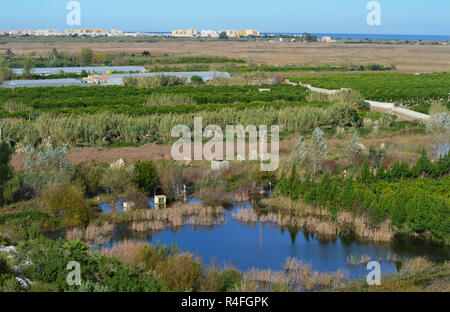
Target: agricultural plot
{"x": 415, "y": 91}
{"x": 22, "y": 102}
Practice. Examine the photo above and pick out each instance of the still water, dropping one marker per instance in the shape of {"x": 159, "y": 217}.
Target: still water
{"x": 265, "y": 246}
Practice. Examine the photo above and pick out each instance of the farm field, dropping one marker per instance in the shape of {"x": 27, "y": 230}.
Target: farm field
{"x": 415, "y": 91}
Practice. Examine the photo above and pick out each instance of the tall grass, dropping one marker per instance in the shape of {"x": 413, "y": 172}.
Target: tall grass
{"x": 11, "y": 106}
{"x": 174, "y": 217}
{"x": 345, "y": 96}
{"x": 296, "y": 276}
{"x": 104, "y": 129}
{"x": 157, "y": 99}
{"x": 317, "y": 220}
{"x": 93, "y": 233}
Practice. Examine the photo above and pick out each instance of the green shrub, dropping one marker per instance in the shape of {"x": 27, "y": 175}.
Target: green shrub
{"x": 49, "y": 259}
{"x": 66, "y": 200}
{"x": 89, "y": 176}
{"x": 182, "y": 272}
{"x": 197, "y": 80}
{"x": 145, "y": 175}
{"x": 6, "y": 170}
{"x": 116, "y": 180}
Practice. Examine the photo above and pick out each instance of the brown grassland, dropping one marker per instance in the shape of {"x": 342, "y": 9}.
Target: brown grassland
{"x": 408, "y": 58}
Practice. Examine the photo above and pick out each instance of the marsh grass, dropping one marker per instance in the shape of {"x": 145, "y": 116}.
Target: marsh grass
{"x": 96, "y": 129}
{"x": 127, "y": 251}
{"x": 93, "y": 233}
{"x": 321, "y": 221}
{"x": 174, "y": 217}
{"x": 296, "y": 276}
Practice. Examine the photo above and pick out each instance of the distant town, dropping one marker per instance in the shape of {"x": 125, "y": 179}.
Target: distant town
{"x": 188, "y": 33}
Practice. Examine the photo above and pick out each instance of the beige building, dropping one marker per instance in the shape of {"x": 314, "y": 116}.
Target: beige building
{"x": 178, "y": 33}
{"x": 191, "y": 32}
{"x": 252, "y": 32}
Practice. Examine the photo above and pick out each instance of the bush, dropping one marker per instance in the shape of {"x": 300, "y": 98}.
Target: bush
{"x": 145, "y": 175}
{"x": 155, "y": 81}
{"x": 151, "y": 255}
{"x": 49, "y": 259}
{"x": 182, "y": 272}
{"x": 115, "y": 180}
{"x": 6, "y": 170}
{"x": 197, "y": 80}
{"x": 137, "y": 196}
{"x": 89, "y": 176}
{"x": 130, "y": 81}
{"x": 45, "y": 166}
{"x": 66, "y": 200}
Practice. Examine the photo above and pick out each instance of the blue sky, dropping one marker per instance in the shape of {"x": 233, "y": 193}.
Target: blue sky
{"x": 421, "y": 17}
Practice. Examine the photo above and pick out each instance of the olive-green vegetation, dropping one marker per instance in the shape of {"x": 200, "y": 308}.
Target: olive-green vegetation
{"x": 416, "y": 275}
{"x": 414, "y": 199}
{"x": 88, "y": 57}
{"x": 145, "y": 175}
{"x": 6, "y": 171}
{"x": 45, "y": 261}
{"x": 105, "y": 129}
{"x": 308, "y": 68}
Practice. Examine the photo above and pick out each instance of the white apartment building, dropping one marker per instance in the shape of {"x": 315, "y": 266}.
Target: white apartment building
{"x": 209, "y": 33}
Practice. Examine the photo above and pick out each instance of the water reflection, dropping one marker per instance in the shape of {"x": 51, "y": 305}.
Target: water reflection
{"x": 264, "y": 246}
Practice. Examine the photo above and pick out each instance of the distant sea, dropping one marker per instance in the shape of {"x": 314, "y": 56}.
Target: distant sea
{"x": 357, "y": 36}
{"x": 375, "y": 36}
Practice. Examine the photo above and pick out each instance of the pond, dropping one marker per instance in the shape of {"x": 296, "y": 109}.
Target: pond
{"x": 265, "y": 246}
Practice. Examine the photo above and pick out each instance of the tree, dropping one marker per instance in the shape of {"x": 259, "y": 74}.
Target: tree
{"x": 146, "y": 53}
{"x": 64, "y": 199}
{"x": 423, "y": 165}
{"x": 319, "y": 148}
{"x": 6, "y": 170}
{"x": 376, "y": 156}
{"x": 28, "y": 68}
{"x": 301, "y": 152}
{"x": 223, "y": 36}
{"x": 145, "y": 175}
{"x": 99, "y": 58}
{"x": 354, "y": 149}
{"x": 115, "y": 180}
{"x": 439, "y": 127}
{"x": 45, "y": 166}
{"x": 366, "y": 175}
{"x": 308, "y": 37}
{"x": 5, "y": 71}
{"x": 86, "y": 56}
{"x": 54, "y": 53}
{"x": 9, "y": 54}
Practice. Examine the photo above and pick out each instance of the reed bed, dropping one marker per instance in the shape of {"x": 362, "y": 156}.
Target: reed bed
{"x": 316, "y": 220}
{"x": 307, "y": 222}
{"x": 176, "y": 216}
{"x": 296, "y": 276}
{"x": 127, "y": 251}
{"x": 358, "y": 260}
{"x": 95, "y": 129}
{"x": 95, "y": 234}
